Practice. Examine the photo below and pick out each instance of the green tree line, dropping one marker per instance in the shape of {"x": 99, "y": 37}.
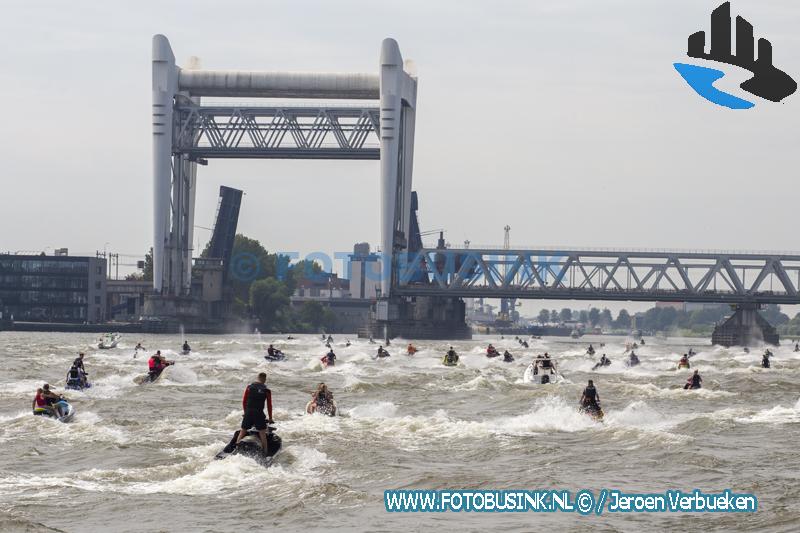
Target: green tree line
{"x": 665, "y": 319}
{"x": 263, "y": 292}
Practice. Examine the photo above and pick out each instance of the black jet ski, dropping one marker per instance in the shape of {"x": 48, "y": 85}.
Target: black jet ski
{"x": 251, "y": 446}
{"x": 77, "y": 384}
{"x": 277, "y": 355}
{"x": 593, "y": 410}
{"x": 633, "y": 360}
{"x": 77, "y": 380}
{"x": 602, "y": 362}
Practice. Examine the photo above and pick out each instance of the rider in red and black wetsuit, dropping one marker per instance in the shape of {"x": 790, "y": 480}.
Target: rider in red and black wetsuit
{"x": 255, "y": 395}
{"x": 156, "y": 365}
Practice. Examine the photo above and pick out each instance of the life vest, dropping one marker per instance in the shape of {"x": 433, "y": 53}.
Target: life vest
{"x": 591, "y": 394}
{"x": 40, "y": 400}
{"x": 256, "y": 396}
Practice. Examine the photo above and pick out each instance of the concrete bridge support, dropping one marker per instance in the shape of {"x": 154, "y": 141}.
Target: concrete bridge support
{"x": 746, "y": 327}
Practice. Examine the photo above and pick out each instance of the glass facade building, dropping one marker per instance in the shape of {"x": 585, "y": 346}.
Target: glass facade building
{"x": 43, "y": 288}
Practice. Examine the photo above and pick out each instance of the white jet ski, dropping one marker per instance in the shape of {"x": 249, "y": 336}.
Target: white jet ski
{"x": 67, "y": 411}
{"x": 537, "y": 375}
{"x": 327, "y": 410}
{"x": 107, "y": 342}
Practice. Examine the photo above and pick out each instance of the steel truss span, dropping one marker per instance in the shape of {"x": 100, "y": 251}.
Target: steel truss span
{"x": 277, "y": 132}
{"x": 602, "y": 275}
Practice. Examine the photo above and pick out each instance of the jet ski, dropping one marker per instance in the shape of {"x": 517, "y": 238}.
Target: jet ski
{"x": 251, "y": 446}
{"x": 149, "y": 378}
{"x": 67, "y": 411}
{"x": 633, "y": 360}
{"x": 537, "y": 375}
{"x": 107, "y": 342}
{"x": 590, "y": 351}
{"x": 328, "y": 410}
{"x": 682, "y": 364}
{"x": 450, "y": 361}
{"x": 77, "y": 384}
{"x": 186, "y": 352}
{"x": 277, "y": 355}
{"x": 606, "y": 362}
{"x": 382, "y": 354}
{"x": 593, "y": 410}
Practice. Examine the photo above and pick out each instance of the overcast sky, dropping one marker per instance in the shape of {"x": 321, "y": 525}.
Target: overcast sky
{"x": 564, "y": 119}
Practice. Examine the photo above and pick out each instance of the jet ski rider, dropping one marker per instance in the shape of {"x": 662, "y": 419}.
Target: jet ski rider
{"x": 255, "y": 395}
{"x": 590, "y": 399}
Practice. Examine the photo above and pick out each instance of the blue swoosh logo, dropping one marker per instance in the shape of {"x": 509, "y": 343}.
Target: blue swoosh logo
{"x": 702, "y": 79}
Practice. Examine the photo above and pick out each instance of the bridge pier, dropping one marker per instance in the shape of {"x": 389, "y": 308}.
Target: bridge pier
{"x": 421, "y": 317}
{"x": 746, "y": 327}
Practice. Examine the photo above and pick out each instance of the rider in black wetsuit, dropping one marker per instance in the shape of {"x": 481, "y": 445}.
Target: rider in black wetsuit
{"x": 451, "y": 356}
{"x": 77, "y": 364}
{"x": 765, "y": 359}
{"x": 330, "y": 358}
{"x": 694, "y": 382}
{"x": 255, "y": 395}
{"x": 590, "y": 399}
{"x": 507, "y": 357}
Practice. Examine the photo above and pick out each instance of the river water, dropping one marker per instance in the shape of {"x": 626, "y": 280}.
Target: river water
{"x": 141, "y": 458}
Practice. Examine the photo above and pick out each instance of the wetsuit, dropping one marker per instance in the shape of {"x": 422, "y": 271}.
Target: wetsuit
{"x": 694, "y": 382}
{"x": 271, "y": 351}
{"x": 765, "y": 361}
{"x": 156, "y": 367}
{"x": 590, "y": 397}
{"x": 451, "y": 356}
{"x": 75, "y": 377}
{"x": 330, "y": 358}
{"x": 78, "y": 363}
{"x": 255, "y": 395}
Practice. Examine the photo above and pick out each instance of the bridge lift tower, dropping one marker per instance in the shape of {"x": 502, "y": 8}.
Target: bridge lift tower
{"x": 189, "y": 130}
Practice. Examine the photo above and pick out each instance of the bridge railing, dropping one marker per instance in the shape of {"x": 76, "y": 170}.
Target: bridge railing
{"x": 600, "y": 274}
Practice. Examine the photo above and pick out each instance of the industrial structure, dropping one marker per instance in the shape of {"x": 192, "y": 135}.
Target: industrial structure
{"x": 420, "y": 289}
{"x": 52, "y": 288}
